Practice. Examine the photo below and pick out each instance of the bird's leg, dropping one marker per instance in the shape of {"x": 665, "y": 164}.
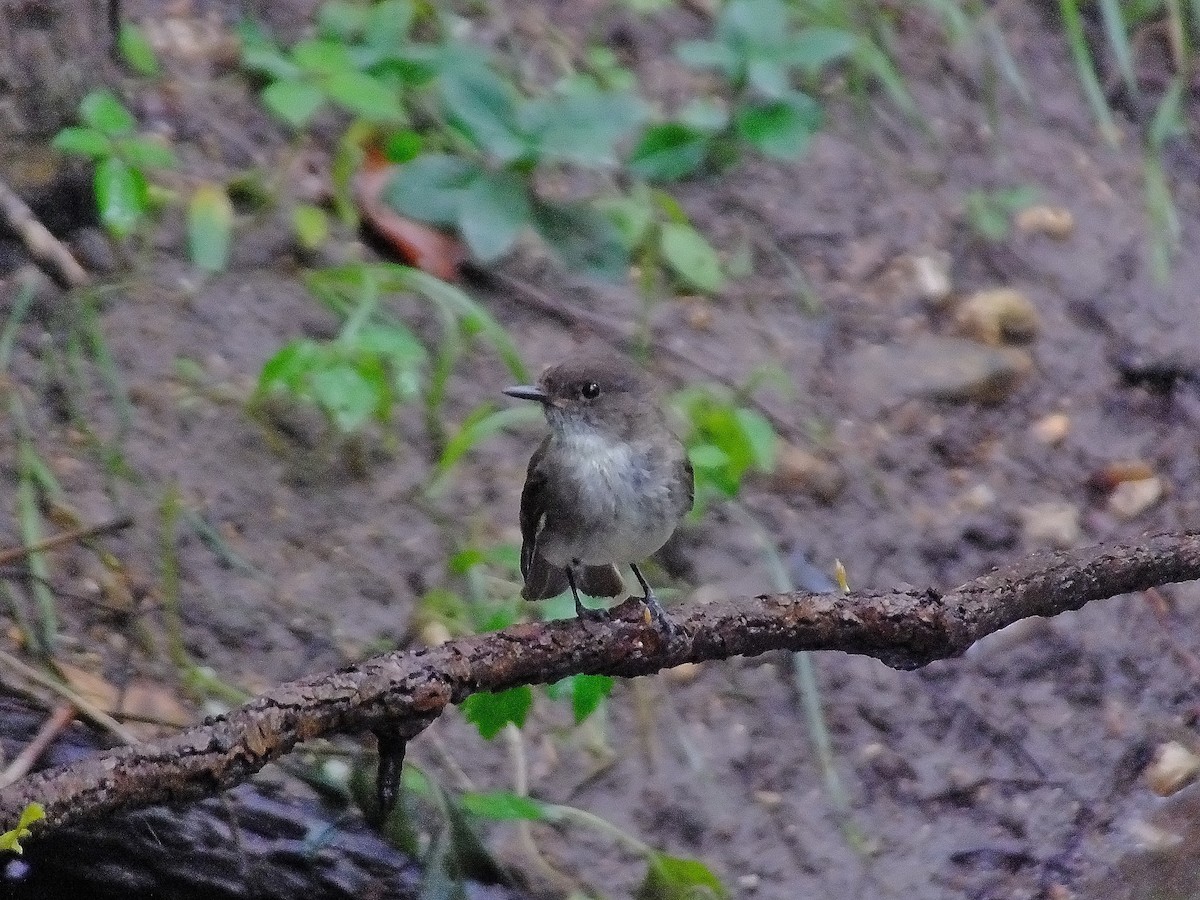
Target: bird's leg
{"x": 656, "y": 611}
{"x": 580, "y": 610}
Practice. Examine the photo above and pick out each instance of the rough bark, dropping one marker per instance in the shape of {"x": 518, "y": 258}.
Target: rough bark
{"x": 905, "y": 629}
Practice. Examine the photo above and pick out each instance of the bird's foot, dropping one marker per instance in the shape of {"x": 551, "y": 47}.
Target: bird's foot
{"x": 659, "y": 616}
{"x": 585, "y": 615}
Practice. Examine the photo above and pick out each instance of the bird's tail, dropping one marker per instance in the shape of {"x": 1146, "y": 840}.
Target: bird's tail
{"x": 601, "y": 581}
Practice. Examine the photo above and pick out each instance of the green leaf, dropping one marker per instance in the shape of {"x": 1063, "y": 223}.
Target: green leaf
{"x": 431, "y": 187}
{"x": 310, "y": 225}
{"x": 146, "y": 153}
{"x": 753, "y": 27}
{"x": 364, "y": 96}
{"x": 351, "y": 394}
{"x": 583, "y": 237}
{"x": 103, "y": 111}
{"x": 503, "y": 806}
{"x": 491, "y": 712}
{"x": 705, "y": 115}
{"x": 678, "y": 878}
{"x": 768, "y": 77}
{"x": 708, "y": 456}
{"x": 587, "y": 692}
{"x": 401, "y": 350}
{"x": 669, "y": 151}
{"x": 266, "y": 59}
{"x": 121, "y": 195}
{"x": 11, "y": 840}
{"x": 136, "y": 50}
{"x": 814, "y": 48}
{"x": 341, "y": 19}
{"x": 582, "y": 127}
{"x": 288, "y": 367}
{"x": 782, "y": 128}
{"x": 761, "y": 437}
{"x": 402, "y": 146}
{"x": 707, "y": 55}
{"x": 322, "y": 56}
{"x": 293, "y": 100}
{"x": 691, "y": 257}
{"x": 633, "y": 217}
{"x": 83, "y": 142}
{"x": 485, "y": 108}
{"x": 210, "y": 228}
{"x": 389, "y": 22}
{"x": 492, "y": 214}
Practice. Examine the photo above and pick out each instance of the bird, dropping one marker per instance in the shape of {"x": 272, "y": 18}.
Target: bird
{"x": 608, "y": 485}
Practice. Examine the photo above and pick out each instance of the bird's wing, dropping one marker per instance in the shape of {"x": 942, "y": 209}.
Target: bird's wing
{"x": 533, "y": 507}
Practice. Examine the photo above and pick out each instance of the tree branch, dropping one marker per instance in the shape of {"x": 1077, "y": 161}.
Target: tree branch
{"x": 905, "y": 629}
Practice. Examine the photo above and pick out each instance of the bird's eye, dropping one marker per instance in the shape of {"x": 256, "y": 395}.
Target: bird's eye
{"x": 590, "y": 391}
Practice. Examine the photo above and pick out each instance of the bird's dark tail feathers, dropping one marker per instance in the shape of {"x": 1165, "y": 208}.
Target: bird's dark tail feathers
{"x": 544, "y": 580}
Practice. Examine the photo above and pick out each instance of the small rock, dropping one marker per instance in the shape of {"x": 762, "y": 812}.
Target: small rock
{"x": 749, "y": 883}
{"x": 801, "y": 470}
{"x": 931, "y": 276}
{"x": 1110, "y": 476}
{"x": 1132, "y": 498}
{"x": 1173, "y": 767}
{"x": 1052, "y": 429}
{"x": 1053, "y": 221}
{"x": 978, "y": 498}
{"x": 998, "y": 316}
{"x": 684, "y": 673}
{"x": 1054, "y": 523}
{"x": 934, "y": 368}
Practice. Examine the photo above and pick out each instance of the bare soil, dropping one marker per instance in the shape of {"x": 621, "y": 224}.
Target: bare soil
{"x": 1014, "y": 772}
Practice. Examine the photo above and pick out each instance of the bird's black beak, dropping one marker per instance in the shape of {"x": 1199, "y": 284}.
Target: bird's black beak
{"x": 528, "y": 392}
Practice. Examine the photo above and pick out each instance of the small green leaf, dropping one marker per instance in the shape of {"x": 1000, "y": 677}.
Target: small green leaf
{"x": 581, "y": 127}
{"x": 402, "y": 146}
{"x": 266, "y": 59}
{"x": 761, "y": 437}
{"x": 104, "y": 112}
{"x": 691, "y": 257}
{"x": 813, "y": 48}
{"x": 364, "y": 96}
{"x": 678, "y": 878}
{"x": 583, "y": 237}
{"x": 633, "y": 217}
{"x": 210, "y": 228}
{"x": 121, "y": 195}
{"x": 310, "y": 224}
{"x": 287, "y": 368}
{"x": 494, "y": 211}
{"x": 708, "y": 456}
{"x": 669, "y": 151}
{"x": 485, "y": 108}
{"x": 768, "y": 77}
{"x": 431, "y": 187}
{"x": 491, "y": 712}
{"x": 322, "y": 56}
{"x": 293, "y": 100}
{"x": 782, "y": 128}
{"x": 502, "y": 806}
{"x": 145, "y": 153}
{"x": 82, "y": 142}
{"x": 389, "y": 22}
{"x": 351, "y": 394}
{"x": 341, "y": 19}
{"x": 136, "y": 50}
{"x": 587, "y": 692}
{"x": 11, "y": 840}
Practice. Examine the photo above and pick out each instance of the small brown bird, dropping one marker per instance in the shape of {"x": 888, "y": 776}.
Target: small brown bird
{"x": 607, "y": 486}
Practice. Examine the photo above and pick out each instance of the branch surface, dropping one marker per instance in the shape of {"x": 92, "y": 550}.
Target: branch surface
{"x": 904, "y": 629}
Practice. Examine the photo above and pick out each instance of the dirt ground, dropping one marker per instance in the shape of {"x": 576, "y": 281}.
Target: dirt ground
{"x": 1014, "y": 772}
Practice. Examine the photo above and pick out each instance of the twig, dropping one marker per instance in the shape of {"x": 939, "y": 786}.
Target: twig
{"x": 8, "y": 557}
{"x": 86, "y": 707}
{"x": 905, "y": 629}
{"x": 42, "y": 245}
{"x": 60, "y": 718}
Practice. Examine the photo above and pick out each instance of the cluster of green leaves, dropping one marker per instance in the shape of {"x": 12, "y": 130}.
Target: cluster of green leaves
{"x": 11, "y": 840}
{"x": 761, "y": 52}
{"x": 376, "y": 361}
{"x": 725, "y": 441}
{"x": 109, "y": 137}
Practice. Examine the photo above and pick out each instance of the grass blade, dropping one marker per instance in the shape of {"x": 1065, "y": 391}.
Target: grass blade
{"x": 1084, "y": 68}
